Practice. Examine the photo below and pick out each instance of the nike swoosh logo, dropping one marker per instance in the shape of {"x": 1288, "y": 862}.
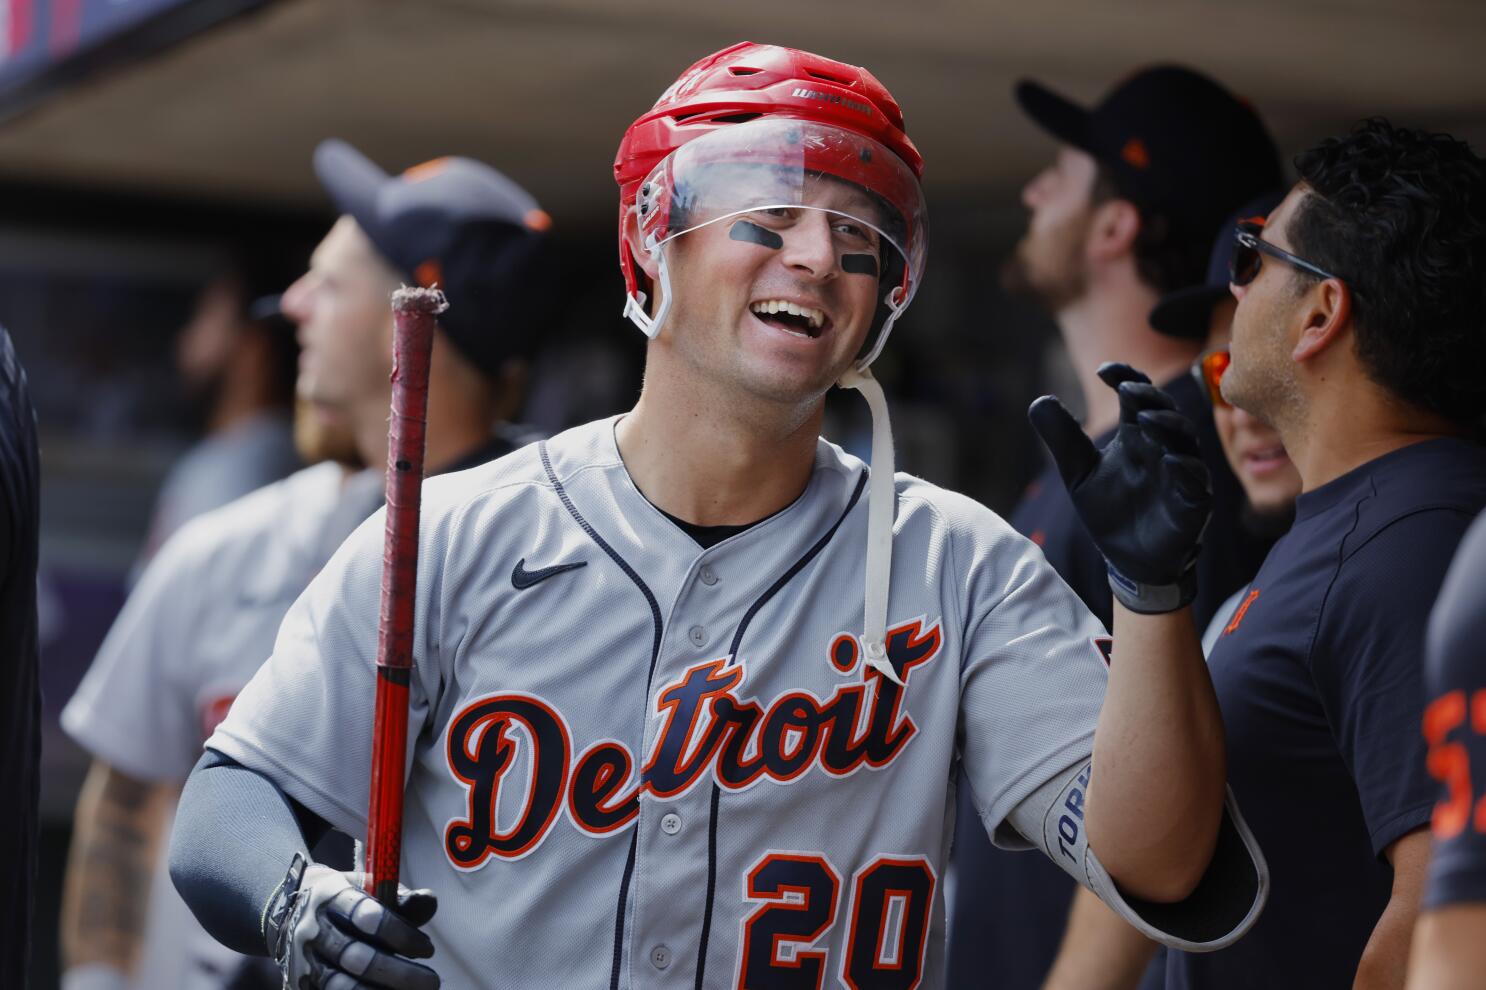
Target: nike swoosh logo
{"x": 521, "y": 578}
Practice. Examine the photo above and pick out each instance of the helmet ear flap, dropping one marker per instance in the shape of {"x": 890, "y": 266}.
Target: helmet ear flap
{"x": 636, "y": 264}
{"x": 634, "y": 253}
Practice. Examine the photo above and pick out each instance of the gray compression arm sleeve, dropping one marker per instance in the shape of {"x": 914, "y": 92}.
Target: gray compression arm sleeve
{"x": 1225, "y": 904}
{"x": 234, "y": 837}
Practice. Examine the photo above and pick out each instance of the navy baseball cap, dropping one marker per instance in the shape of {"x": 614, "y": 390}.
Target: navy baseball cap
{"x": 1173, "y": 141}
{"x": 1187, "y": 312}
{"x": 462, "y": 225}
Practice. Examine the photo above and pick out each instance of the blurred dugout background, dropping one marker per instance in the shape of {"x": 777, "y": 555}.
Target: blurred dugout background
{"x": 143, "y": 140}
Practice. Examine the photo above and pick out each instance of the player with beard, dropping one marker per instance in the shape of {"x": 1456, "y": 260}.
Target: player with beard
{"x": 1357, "y": 334}
{"x": 208, "y": 607}
{"x": 1257, "y": 456}
{"x": 236, "y": 359}
{"x": 1126, "y": 211}
{"x": 1254, "y": 449}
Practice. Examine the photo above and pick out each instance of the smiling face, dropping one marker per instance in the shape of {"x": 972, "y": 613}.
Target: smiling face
{"x": 778, "y": 302}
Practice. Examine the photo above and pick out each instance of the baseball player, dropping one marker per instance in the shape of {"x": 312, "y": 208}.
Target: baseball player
{"x": 1125, "y": 211}
{"x": 1449, "y": 952}
{"x": 1098, "y": 949}
{"x": 205, "y": 614}
{"x": 236, "y": 360}
{"x": 691, "y": 683}
{"x": 1357, "y": 336}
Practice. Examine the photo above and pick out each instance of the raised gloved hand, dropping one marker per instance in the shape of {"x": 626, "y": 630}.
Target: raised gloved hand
{"x": 1144, "y": 498}
{"x": 326, "y": 933}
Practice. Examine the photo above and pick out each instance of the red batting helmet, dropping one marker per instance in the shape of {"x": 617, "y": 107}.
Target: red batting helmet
{"x": 852, "y": 130}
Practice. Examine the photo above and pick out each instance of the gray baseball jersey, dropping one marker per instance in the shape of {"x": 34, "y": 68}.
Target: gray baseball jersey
{"x": 635, "y": 762}
{"x": 196, "y": 627}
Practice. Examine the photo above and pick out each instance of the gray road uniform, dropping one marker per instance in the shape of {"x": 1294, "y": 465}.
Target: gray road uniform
{"x": 194, "y": 630}
{"x": 638, "y": 763}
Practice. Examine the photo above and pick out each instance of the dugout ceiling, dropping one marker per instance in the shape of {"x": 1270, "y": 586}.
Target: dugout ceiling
{"x": 543, "y": 88}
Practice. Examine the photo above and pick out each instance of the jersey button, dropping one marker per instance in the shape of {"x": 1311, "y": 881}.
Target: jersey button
{"x": 660, "y": 957}
{"x": 670, "y": 824}
{"x": 697, "y": 635}
{"x": 708, "y": 576}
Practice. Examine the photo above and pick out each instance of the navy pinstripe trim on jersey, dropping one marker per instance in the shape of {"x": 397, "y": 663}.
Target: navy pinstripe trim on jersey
{"x": 629, "y": 866}
{"x": 753, "y": 609}
{"x": 629, "y": 872}
{"x": 624, "y": 566}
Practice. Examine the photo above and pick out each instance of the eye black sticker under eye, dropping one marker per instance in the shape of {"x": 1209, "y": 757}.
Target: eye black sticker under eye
{"x": 859, "y": 264}
{"x": 744, "y": 230}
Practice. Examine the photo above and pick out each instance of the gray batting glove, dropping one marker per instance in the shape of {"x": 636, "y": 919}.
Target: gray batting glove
{"x": 326, "y": 933}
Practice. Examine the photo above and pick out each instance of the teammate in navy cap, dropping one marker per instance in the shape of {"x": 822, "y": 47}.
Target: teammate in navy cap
{"x": 206, "y": 611}
{"x": 1126, "y": 212}
{"x": 1358, "y": 336}
{"x": 1449, "y": 950}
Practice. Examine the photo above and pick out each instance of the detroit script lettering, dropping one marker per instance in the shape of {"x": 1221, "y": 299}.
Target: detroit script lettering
{"x": 709, "y": 731}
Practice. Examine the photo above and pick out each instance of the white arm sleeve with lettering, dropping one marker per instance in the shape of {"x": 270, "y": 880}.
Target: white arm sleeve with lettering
{"x": 134, "y": 709}
{"x": 1032, "y": 687}
{"x": 1224, "y": 906}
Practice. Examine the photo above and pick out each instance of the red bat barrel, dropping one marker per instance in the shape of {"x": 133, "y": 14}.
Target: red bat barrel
{"x": 412, "y": 343}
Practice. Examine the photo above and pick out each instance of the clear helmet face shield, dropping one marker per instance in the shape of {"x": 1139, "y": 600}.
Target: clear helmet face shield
{"x": 775, "y": 178}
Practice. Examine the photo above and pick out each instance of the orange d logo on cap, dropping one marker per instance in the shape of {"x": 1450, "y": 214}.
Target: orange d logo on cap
{"x": 1135, "y": 154}
{"x": 429, "y": 274}
{"x": 426, "y": 170}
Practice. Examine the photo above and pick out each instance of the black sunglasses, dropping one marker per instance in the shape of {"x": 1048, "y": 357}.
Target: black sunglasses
{"x": 1248, "y": 251}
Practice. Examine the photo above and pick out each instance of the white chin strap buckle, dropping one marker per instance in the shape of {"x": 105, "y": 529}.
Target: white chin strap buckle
{"x": 877, "y": 659}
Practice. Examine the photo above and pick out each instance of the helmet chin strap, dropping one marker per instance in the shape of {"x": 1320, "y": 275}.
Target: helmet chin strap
{"x": 881, "y": 501}
{"x": 634, "y": 305}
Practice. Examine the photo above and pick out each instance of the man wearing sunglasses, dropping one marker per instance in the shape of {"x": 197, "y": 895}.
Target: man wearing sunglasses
{"x": 1254, "y": 450}
{"x": 1126, "y": 211}
{"x": 1100, "y": 950}
{"x": 1358, "y": 335}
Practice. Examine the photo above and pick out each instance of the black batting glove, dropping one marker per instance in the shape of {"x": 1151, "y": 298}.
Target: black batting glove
{"x": 326, "y": 933}
{"x": 1145, "y": 498}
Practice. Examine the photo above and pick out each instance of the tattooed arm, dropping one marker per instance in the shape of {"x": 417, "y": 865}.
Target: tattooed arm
{"x": 119, "y": 828}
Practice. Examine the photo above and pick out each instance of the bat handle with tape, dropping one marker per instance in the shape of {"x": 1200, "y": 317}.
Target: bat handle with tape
{"x": 414, "y": 310}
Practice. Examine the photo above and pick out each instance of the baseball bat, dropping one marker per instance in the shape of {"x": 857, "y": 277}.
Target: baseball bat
{"x": 413, "y": 311}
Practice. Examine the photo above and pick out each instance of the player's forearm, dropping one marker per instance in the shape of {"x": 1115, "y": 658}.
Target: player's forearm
{"x": 118, "y": 828}
{"x": 235, "y": 835}
{"x": 1385, "y": 959}
{"x": 1156, "y": 797}
{"x": 1449, "y": 949}
{"x": 1099, "y": 951}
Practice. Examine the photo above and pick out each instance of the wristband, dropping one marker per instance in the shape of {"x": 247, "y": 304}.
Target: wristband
{"x": 1154, "y": 599}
